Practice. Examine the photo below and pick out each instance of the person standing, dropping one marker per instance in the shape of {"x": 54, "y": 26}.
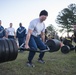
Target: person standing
{"x": 2, "y": 31}
{"x": 35, "y": 37}
{"x": 11, "y": 32}
{"x": 20, "y": 34}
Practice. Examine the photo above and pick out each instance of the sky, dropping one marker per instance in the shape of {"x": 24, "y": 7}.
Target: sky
{"x": 16, "y": 11}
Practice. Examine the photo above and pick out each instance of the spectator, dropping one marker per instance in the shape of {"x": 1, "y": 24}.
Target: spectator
{"x": 11, "y": 32}
{"x": 20, "y": 34}
{"x": 2, "y": 30}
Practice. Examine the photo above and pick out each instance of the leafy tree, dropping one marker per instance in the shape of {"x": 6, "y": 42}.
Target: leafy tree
{"x": 72, "y": 7}
{"x": 52, "y": 30}
{"x": 67, "y": 18}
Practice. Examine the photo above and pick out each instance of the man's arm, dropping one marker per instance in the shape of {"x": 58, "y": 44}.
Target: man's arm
{"x": 28, "y": 38}
{"x": 43, "y": 36}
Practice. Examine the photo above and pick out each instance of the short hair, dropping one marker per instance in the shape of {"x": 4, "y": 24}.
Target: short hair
{"x": 43, "y": 12}
{"x": 20, "y": 23}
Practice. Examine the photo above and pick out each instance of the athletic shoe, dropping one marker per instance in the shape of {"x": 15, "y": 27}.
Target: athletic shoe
{"x": 30, "y": 64}
{"x": 41, "y": 61}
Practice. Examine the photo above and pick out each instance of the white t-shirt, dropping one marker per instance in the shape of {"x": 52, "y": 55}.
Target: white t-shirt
{"x": 37, "y": 27}
{"x": 11, "y": 31}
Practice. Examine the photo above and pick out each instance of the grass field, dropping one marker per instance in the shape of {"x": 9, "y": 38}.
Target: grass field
{"x": 56, "y": 64}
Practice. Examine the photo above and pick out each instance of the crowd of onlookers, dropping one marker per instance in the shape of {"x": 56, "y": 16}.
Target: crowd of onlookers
{"x": 11, "y": 33}
{"x": 55, "y": 36}
{"x": 62, "y": 38}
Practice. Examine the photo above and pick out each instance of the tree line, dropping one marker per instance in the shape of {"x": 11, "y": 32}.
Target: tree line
{"x": 66, "y": 20}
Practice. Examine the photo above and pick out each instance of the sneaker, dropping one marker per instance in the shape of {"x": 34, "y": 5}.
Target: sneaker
{"x": 41, "y": 61}
{"x": 30, "y": 64}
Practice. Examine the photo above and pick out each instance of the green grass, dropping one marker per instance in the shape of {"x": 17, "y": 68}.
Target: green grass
{"x": 56, "y": 64}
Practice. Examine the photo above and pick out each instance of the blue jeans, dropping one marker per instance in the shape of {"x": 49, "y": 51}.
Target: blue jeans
{"x": 21, "y": 41}
{"x": 36, "y": 43}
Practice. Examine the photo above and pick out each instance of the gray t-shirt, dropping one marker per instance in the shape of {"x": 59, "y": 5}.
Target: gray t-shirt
{"x": 37, "y": 27}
